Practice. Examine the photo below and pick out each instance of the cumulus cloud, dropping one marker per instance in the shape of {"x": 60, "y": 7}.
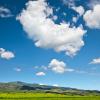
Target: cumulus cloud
{"x": 40, "y": 74}
{"x": 5, "y": 12}
{"x": 59, "y": 66}
{"x": 80, "y": 10}
{"x": 37, "y": 23}
{"x": 92, "y": 17}
{"x": 95, "y": 61}
{"x": 6, "y": 54}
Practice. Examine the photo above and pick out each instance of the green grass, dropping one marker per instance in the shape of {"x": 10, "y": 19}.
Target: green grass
{"x": 43, "y": 96}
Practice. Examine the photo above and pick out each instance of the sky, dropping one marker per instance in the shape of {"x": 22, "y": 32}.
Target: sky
{"x": 51, "y": 42}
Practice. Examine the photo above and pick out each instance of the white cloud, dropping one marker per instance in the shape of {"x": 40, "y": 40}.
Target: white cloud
{"x": 80, "y": 10}
{"x": 92, "y": 17}
{"x": 18, "y": 69}
{"x": 56, "y": 66}
{"x": 40, "y": 74}
{"x": 46, "y": 34}
{"x": 6, "y": 54}
{"x": 5, "y": 12}
{"x": 59, "y": 66}
{"x": 95, "y": 61}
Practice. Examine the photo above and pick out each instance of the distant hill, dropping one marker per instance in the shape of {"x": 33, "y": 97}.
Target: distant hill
{"x": 27, "y": 87}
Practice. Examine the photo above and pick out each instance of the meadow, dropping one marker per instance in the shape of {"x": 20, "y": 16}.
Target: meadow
{"x": 43, "y": 96}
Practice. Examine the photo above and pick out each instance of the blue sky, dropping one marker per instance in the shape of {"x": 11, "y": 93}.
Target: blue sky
{"x": 59, "y": 44}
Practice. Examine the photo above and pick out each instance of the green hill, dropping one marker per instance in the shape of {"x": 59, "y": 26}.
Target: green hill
{"x": 27, "y": 87}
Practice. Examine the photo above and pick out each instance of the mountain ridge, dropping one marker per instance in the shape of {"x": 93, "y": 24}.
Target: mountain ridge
{"x": 19, "y": 86}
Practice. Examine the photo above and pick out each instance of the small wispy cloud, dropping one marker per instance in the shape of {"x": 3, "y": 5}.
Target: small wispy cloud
{"x": 95, "y": 61}
{"x": 18, "y": 69}
{"x": 41, "y": 67}
{"x": 40, "y": 74}
{"x": 5, "y": 12}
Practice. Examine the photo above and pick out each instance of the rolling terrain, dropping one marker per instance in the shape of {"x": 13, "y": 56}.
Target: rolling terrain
{"x": 13, "y": 87}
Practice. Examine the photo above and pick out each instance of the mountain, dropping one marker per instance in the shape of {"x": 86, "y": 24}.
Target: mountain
{"x": 27, "y": 87}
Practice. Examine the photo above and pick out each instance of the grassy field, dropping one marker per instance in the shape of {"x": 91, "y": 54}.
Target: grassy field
{"x": 43, "y": 96}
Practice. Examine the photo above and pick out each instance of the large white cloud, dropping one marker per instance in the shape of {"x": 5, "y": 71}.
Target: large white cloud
{"x": 95, "y": 61}
{"x": 46, "y": 34}
{"x": 92, "y": 17}
{"x": 6, "y": 54}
